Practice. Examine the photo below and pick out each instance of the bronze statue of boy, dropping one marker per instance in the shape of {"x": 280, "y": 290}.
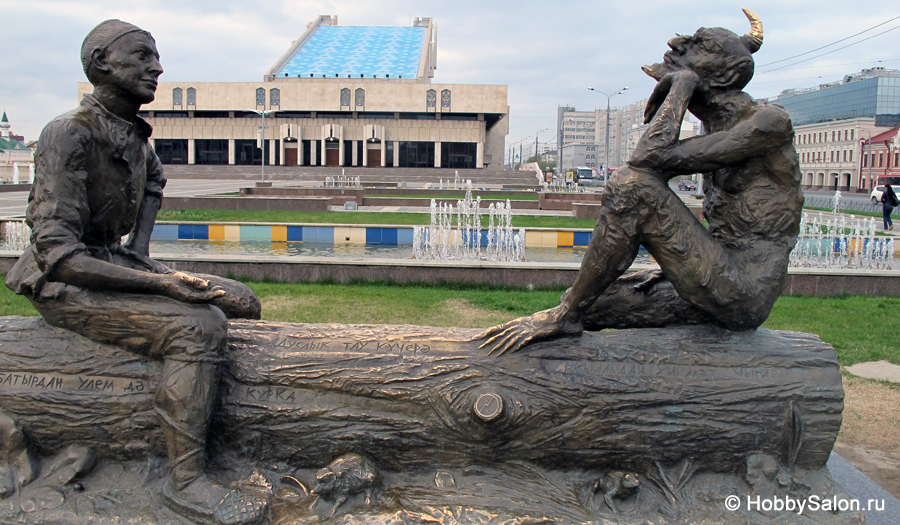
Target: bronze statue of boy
{"x": 97, "y": 179}
{"x": 729, "y": 274}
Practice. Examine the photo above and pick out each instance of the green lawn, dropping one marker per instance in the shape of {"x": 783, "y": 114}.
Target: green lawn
{"x": 859, "y": 328}
{"x": 341, "y": 217}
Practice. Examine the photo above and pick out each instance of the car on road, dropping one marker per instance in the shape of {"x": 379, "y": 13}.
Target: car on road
{"x": 687, "y": 185}
{"x": 876, "y": 194}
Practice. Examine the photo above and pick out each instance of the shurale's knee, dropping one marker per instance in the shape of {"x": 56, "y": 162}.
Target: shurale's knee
{"x": 630, "y": 187}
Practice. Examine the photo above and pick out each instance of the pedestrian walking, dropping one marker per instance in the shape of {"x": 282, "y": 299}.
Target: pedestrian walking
{"x": 888, "y": 201}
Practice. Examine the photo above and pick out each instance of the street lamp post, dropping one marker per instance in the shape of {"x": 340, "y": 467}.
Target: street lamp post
{"x": 562, "y": 144}
{"x": 606, "y": 151}
{"x": 868, "y": 160}
{"x": 521, "y": 142}
{"x": 536, "y": 142}
{"x": 512, "y": 151}
{"x": 262, "y": 139}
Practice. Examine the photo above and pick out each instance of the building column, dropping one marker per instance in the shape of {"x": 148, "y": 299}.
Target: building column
{"x": 365, "y": 146}
{"x": 322, "y": 157}
{"x": 282, "y": 153}
{"x": 383, "y": 147}
{"x": 437, "y": 154}
{"x": 312, "y": 152}
{"x": 479, "y": 155}
{"x": 271, "y": 152}
{"x": 191, "y": 153}
{"x": 354, "y": 152}
{"x": 230, "y": 152}
{"x": 396, "y": 153}
{"x": 299, "y": 146}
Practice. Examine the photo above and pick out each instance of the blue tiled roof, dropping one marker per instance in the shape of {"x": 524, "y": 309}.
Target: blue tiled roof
{"x": 359, "y": 50}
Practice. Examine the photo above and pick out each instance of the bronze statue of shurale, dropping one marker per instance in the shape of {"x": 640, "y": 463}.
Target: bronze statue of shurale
{"x": 97, "y": 179}
{"x": 729, "y": 274}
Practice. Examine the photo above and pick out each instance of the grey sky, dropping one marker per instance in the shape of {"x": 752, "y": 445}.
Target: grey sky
{"x": 546, "y": 52}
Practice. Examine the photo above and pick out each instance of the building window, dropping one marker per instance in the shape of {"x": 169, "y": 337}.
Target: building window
{"x": 832, "y": 136}
{"x": 261, "y": 97}
{"x": 459, "y": 155}
{"x": 360, "y": 97}
{"x": 845, "y": 155}
{"x": 851, "y": 155}
{"x": 211, "y": 151}
{"x": 832, "y": 156}
{"x": 176, "y": 97}
{"x": 345, "y": 97}
{"x": 246, "y": 152}
{"x": 865, "y": 161}
{"x": 191, "y": 96}
{"x": 897, "y": 159}
{"x": 881, "y": 160}
{"x": 851, "y": 134}
{"x": 274, "y": 98}
{"x": 415, "y": 154}
{"x": 445, "y": 98}
{"x": 431, "y": 98}
{"x": 171, "y": 151}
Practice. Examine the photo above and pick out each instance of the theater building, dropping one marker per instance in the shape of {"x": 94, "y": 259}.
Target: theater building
{"x": 340, "y": 96}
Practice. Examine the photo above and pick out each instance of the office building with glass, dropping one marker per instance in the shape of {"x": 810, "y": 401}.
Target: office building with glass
{"x": 871, "y": 93}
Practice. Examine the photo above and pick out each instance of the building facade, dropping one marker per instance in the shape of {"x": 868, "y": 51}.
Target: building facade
{"x": 340, "y": 96}
{"x": 830, "y": 154}
{"x": 581, "y": 155}
{"x": 871, "y": 93}
{"x": 589, "y": 127}
{"x": 16, "y": 158}
{"x": 881, "y": 158}
{"x": 573, "y": 127}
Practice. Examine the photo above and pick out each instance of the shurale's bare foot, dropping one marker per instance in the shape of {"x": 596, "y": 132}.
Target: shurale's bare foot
{"x": 518, "y": 333}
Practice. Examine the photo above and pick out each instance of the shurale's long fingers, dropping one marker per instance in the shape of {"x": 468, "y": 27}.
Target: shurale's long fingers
{"x": 510, "y": 342}
{"x": 490, "y": 342}
{"x": 495, "y": 333}
{"x": 494, "y": 330}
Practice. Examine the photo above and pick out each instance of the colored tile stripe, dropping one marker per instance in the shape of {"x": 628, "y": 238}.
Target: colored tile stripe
{"x": 341, "y": 235}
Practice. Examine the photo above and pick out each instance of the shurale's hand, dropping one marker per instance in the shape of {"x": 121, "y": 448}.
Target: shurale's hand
{"x": 518, "y": 333}
{"x": 661, "y": 91}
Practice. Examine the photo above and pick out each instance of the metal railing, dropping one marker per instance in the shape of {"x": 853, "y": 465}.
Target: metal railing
{"x": 847, "y": 206}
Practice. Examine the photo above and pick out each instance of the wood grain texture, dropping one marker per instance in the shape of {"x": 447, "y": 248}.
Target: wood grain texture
{"x": 405, "y": 395}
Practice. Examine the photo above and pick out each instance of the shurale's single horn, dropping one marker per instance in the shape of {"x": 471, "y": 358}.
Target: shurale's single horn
{"x": 754, "y": 38}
